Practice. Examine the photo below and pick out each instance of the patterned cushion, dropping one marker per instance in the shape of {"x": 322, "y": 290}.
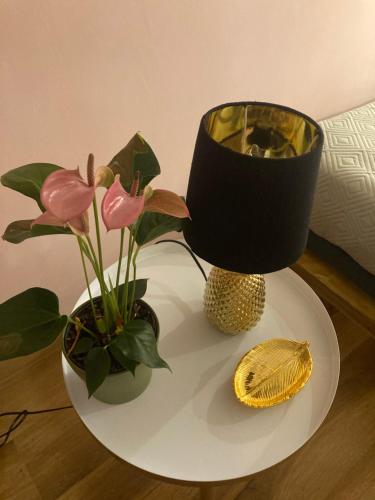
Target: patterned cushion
{"x": 344, "y": 207}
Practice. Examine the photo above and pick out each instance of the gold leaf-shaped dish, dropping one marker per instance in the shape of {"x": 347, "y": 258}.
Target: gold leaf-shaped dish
{"x": 272, "y": 372}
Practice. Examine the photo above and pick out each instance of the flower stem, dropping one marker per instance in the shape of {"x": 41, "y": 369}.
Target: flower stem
{"x": 103, "y": 286}
{"x": 131, "y": 304}
{"x": 71, "y": 320}
{"x": 87, "y": 252}
{"x": 133, "y": 233}
{"x": 119, "y": 260}
{"x": 97, "y": 227}
{"x": 126, "y": 282}
{"x": 86, "y": 277}
{"x": 96, "y": 267}
{"x": 95, "y": 263}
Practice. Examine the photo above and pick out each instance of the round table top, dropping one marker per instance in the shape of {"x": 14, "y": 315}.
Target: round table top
{"x": 188, "y": 425}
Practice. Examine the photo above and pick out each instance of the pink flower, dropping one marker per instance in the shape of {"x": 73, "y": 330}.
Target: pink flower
{"x": 119, "y": 208}
{"x": 79, "y": 225}
{"x": 66, "y": 196}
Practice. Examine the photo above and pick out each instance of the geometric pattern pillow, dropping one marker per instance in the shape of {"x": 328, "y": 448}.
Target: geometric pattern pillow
{"x": 344, "y": 204}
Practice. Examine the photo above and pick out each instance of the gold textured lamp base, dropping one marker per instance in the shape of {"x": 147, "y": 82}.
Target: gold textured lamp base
{"x": 234, "y": 302}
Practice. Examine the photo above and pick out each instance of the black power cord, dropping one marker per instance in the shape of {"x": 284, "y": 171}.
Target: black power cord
{"x": 20, "y": 416}
{"x": 190, "y": 252}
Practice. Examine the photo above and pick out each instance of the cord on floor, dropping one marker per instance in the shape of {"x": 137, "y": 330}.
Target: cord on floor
{"x": 20, "y": 417}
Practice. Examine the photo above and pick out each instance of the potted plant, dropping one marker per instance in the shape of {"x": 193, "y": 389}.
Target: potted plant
{"x": 111, "y": 340}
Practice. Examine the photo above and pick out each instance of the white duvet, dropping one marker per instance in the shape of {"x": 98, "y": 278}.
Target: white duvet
{"x": 344, "y": 205}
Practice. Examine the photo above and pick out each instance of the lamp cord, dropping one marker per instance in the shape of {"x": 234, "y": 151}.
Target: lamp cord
{"x": 20, "y": 416}
{"x": 190, "y": 252}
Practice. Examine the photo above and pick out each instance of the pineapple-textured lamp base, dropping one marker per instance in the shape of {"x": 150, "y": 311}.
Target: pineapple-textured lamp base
{"x": 234, "y": 302}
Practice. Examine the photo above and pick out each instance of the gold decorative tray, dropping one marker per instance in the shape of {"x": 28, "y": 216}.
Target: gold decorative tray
{"x": 272, "y": 372}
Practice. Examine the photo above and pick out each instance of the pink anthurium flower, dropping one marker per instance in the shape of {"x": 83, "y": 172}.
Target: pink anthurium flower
{"x": 166, "y": 202}
{"x": 119, "y": 208}
{"x": 66, "y": 198}
{"x": 79, "y": 225}
{"x": 66, "y": 195}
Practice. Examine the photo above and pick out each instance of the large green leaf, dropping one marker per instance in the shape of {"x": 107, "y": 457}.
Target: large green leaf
{"x": 147, "y": 165}
{"x": 138, "y": 342}
{"x": 83, "y": 345}
{"x": 126, "y": 363}
{"x": 28, "y": 179}
{"x": 140, "y": 289}
{"x": 21, "y": 230}
{"x": 29, "y": 322}
{"x": 136, "y": 155}
{"x": 97, "y": 366}
{"x": 153, "y": 225}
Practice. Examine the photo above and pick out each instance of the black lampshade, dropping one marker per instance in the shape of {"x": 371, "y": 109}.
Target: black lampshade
{"x": 251, "y": 186}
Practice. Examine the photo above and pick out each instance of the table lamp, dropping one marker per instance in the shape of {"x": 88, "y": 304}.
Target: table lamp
{"x": 250, "y": 195}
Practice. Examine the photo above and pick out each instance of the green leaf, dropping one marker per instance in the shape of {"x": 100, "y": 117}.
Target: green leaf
{"x": 136, "y": 155}
{"x": 153, "y": 225}
{"x": 21, "y": 230}
{"x": 97, "y": 366}
{"x": 126, "y": 363}
{"x": 83, "y": 345}
{"x": 140, "y": 289}
{"x": 138, "y": 342}
{"x": 147, "y": 165}
{"x": 29, "y": 322}
{"x": 28, "y": 179}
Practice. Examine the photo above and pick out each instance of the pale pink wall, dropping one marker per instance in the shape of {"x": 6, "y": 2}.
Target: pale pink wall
{"x": 84, "y": 75}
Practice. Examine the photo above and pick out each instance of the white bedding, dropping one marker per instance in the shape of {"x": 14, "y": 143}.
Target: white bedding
{"x": 344, "y": 206}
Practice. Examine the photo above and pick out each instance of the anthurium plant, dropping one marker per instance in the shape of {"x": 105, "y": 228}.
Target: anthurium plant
{"x": 31, "y": 320}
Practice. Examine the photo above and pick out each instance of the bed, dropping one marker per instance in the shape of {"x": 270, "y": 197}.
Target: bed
{"x": 340, "y": 258}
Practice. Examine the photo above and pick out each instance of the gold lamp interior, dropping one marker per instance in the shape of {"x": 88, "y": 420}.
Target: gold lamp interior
{"x": 262, "y": 131}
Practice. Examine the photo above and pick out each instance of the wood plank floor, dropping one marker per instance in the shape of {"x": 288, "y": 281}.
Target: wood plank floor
{"x": 52, "y": 456}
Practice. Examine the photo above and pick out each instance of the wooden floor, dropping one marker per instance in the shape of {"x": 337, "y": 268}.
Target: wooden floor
{"x": 53, "y": 456}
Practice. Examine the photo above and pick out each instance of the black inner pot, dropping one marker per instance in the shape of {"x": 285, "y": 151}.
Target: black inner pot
{"x": 84, "y": 312}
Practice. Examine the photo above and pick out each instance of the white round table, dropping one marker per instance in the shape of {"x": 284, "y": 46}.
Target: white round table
{"x": 188, "y": 426}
